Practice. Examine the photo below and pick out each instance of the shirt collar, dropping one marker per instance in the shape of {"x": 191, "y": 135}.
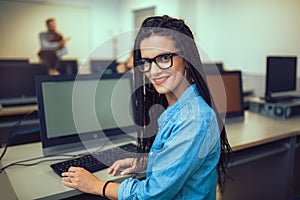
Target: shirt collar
{"x": 190, "y": 93}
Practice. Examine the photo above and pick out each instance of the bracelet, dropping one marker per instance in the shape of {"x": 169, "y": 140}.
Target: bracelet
{"x": 104, "y": 187}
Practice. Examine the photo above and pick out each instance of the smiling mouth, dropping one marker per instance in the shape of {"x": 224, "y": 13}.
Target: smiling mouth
{"x": 160, "y": 80}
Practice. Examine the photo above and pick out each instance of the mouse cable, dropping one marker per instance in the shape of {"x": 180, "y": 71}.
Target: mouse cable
{"x": 23, "y": 162}
{"x": 13, "y": 132}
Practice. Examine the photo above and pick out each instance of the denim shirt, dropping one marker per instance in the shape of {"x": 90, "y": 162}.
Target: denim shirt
{"x": 182, "y": 162}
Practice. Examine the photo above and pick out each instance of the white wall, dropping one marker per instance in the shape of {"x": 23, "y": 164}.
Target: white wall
{"x": 87, "y": 23}
{"x": 238, "y": 32}
{"x": 245, "y": 32}
{"x": 21, "y": 23}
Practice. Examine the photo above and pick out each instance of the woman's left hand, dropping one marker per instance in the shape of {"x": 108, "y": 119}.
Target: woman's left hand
{"x": 81, "y": 179}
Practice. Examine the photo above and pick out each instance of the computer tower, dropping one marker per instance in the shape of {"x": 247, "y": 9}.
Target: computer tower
{"x": 282, "y": 110}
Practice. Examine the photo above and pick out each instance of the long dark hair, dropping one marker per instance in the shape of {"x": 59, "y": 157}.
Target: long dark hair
{"x": 146, "y": 95}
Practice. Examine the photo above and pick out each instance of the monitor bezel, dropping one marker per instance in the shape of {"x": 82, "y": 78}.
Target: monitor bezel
{"x": 52, "y": 146}
{"x": 23, "y": 99}
{"x": 233, "y": 114}
{"x": 270, "y": 91}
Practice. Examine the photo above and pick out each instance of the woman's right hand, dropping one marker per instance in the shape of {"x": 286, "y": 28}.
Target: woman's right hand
{"x": 123, "y": 167}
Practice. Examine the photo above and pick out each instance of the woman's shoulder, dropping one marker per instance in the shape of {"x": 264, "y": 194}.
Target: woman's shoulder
{"x": 197, "y": 109}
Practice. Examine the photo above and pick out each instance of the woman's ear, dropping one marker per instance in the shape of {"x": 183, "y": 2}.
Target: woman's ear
{"x": 188, "y": 74}
{"x": 186, "y": 65}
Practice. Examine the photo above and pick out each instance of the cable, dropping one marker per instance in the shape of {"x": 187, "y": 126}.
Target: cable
{"x": 19, "y": 163}
{"x": 13, "y": 132}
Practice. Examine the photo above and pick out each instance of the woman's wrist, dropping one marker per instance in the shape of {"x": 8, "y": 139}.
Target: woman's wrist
{"x": 108, "y": 188}
{"x": 104, "y": 188}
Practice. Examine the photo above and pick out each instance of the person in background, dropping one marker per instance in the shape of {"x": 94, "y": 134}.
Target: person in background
{"x": 126, "y": 66}
{"x": 52, "y": 46}
{"x": 181, "y": 138}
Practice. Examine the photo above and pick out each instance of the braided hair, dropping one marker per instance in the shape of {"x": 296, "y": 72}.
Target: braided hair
{"x": 147, "y": 96}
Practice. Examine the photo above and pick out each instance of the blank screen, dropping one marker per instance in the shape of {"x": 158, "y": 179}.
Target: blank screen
{"x": 106, "y": 106}
{"x": 18, "y": 80}
{"x": 281, "y": 74}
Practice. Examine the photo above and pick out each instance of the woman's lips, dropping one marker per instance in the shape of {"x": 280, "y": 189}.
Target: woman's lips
{"x": 160, "y": 80}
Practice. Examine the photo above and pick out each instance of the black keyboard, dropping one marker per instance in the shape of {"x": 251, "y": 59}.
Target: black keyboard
{"x": 98, "y": 160}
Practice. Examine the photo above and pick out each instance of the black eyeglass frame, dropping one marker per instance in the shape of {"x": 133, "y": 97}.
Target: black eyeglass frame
{"x": 151, "y": 60}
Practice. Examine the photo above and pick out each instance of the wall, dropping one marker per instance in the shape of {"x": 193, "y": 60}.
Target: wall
{"x": 245, "y": 32}
{"x": 87, "y": 23}
{"x": 21, "y": 23}
{"x": 239, "y": 33}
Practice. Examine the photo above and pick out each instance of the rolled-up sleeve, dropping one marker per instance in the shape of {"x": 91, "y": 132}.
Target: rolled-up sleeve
{"x": 124, "y": 191}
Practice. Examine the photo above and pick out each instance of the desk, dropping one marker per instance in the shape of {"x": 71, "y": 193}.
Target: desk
{"x": 38, "y": 181}
{"x": 255, "y": 132}
{"x": 17, "y": 110}
{"x": 264, "y": 158}
{"x": 9, "y": 117}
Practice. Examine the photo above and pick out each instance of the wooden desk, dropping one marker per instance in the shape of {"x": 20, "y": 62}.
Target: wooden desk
{"x": 17, "y": 110}
{"x": 11, "y": 115}
{"x": 257, "y": 129}
{"x": 263, "y": 158}
{"x": 250, "y": 138}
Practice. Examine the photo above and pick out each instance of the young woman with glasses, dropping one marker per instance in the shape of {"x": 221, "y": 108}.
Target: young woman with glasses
{"x": 180, "y": 129}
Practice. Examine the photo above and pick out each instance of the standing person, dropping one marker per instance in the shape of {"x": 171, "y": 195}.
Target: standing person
{"x": 52, "y": 46}
{"x": 186, "y": 143}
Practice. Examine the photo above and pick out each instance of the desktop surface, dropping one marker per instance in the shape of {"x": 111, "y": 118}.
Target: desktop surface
{"x": 254, "y": 130}
{"x": 40, "y": 181}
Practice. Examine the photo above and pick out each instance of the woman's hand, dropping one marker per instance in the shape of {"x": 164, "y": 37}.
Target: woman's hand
{"x": 123, "y": 167}
{"x": 81, "y": 179}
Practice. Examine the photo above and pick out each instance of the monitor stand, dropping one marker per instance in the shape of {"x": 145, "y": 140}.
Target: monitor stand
{"x": 280, "y": 99}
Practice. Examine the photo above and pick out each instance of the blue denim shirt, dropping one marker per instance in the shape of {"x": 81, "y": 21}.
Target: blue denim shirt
{"x": 183, "y": 158}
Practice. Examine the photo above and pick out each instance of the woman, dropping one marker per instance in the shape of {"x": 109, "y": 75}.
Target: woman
{"x": 186, "y": 142}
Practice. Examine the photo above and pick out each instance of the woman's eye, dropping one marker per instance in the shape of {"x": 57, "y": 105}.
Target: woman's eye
{"x": 164, "y": 58}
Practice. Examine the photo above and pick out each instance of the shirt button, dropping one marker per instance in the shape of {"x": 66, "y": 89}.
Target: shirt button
{"x": 151, "y": 153}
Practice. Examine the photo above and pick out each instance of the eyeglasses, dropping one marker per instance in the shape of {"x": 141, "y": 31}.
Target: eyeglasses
{"x": 163, "y": 61}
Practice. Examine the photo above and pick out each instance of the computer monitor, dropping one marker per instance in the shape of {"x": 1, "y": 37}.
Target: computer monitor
{"x": 230, "y": 102}
{"x": 17, "y": 83}
{"x": 68, "y": 67}
{"x": 14, "y": 61}
{"x": 82, "y": 112}
{"x": 213, "y": 67}
{"x": 281, "y": 75}
{"x": 103, "y": 66}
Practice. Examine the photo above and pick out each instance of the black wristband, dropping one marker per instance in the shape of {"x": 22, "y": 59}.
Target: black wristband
{"x": 104, "y": 187}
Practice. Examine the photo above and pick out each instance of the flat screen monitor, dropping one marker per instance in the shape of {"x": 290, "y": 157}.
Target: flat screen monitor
{"x": 103, "y": 66}
{"x": 17, "y": 83}
{"x": 211, "y": 67}
{"x": 68, "y": 67}
{"x": 230, "y": 102}
{"x": 14, "y": 61}
{"x": 82, "y": 112}
{"x": 281, "y": 75}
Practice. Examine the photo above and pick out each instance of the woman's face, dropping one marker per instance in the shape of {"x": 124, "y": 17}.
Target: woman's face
{"x": 171, "y": 81}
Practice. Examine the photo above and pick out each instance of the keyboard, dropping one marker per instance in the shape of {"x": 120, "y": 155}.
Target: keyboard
{"x": 96, "y": 161}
